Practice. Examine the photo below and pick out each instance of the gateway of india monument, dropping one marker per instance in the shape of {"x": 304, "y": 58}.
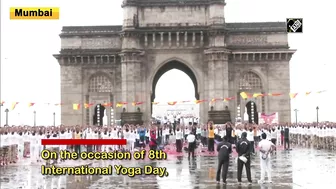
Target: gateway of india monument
{"x": 104, "y": 65}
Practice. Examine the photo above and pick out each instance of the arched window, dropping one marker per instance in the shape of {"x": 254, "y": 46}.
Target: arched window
{"x": 100, "y": 84}
{"x": 250, "y": 81}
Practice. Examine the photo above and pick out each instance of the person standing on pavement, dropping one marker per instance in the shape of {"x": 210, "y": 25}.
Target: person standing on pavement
{"x": 250, "y": 138}
{"x": 243, "y": 149}
{"x": 266, "y": 148}
{"x": 286, "y": 138}
{"x": 191, "y": 138}
{"x": 224, "y": 150}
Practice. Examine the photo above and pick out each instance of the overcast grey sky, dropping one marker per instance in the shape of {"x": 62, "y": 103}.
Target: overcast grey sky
{"x": 29, "y": 73}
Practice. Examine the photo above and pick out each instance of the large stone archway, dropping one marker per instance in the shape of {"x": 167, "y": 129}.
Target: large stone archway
{"x": 164, "y": 68}
{"x": 134, "y": 55}
{"x": 174, "y": 64}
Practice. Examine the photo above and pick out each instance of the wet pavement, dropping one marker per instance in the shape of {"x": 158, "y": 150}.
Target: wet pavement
{"x": 299, "y": 168}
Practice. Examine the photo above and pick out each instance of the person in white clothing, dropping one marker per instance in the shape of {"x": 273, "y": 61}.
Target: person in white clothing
{"x": 34, "y": 147}
{"x": 55, "y": 148}
{"x": 68, "y": 135}
{"x": 88, "y": 134}
{"x": 127, "y": 137}
{"x": 250, "y": 138}
{"x": 132, "y": 140}
{"x": 191, "y": 139}
{"x": 19, "y": 141}
{"x": 266, "y": 148}
{"x": 198, "y": 133}
{"x": 186, "y": 133}
{"x": 166, "y": 135}
{"x": 62, "y": 135}
{"x": 95, "y": 135}
{"x": 105, "y": 135}
{"x": 179, "y": 138}
{"x": 114, "y": 135}
{"x": 40, "y": 146}
{"x": 274, "y": 136}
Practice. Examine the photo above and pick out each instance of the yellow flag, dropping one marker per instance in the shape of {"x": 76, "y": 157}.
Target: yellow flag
{"x": 243, "y": 95}
{"x": 76, "y": 106}
{"x": 292, "y": 95}
{"x": 14, "y": 105}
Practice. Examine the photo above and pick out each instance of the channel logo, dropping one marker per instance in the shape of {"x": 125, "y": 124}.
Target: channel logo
{"x": 34, "y": 13}
{"x": 294, "y": 25}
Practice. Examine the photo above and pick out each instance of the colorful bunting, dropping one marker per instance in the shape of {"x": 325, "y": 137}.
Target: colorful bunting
{"x": 76, "y": 106}
{"x": 228, "y": 99}
{"x": 172, "y": 103}
{"x": 107, "y": 104}
{"x": 244, "y": 95}
{"x": 87, "y": 105}
{"x": 274, "y": 94}
{"x": 255, "y": 95}
{"x": 136, "y": 103}
{"x": 293, "y": 95}
{"x": 14, "y": 105}
{"x": 199, "y": 101}
{"x": 215, "y": 99}
{"x": 121, "y": 104}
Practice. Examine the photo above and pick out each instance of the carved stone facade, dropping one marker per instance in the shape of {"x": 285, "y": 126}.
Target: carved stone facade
{"x": 159, "y": 35}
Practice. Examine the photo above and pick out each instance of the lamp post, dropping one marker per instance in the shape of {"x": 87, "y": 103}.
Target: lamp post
{"x": 7, "y": 116}
{"x": 296, "y": 110}
{"x": 317, "y": 114}
{"x": 34, "y": 118}
{"x": 54, "y": 114}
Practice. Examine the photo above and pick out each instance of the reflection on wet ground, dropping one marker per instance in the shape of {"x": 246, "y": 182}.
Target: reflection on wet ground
{"x": 299, "y": 168}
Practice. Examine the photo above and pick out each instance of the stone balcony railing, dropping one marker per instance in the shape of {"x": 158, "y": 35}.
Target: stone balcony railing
{"x": 75, "y": 30}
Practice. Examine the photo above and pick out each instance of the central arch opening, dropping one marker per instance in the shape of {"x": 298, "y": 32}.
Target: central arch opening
{"x": 174, "y": 81}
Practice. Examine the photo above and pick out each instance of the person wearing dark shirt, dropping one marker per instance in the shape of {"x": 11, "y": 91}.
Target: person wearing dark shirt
{"x": 142, "y": 136}
{"x": 286, "y": 139}
{"x": 229, "y": 133}
{"x": 224, "y": 150}
{"x": 193, "y": 130}
{"x": 159, "y": 139}
{"x": 282, "y": 135}
{"x": 243, "y": 149}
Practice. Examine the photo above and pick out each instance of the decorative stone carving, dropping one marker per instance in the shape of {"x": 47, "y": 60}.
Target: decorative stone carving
{"x": 248, "y": 40}
{"x": 100, "y": 43}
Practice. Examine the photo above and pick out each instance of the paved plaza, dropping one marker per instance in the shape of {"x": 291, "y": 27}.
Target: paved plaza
{"x": 299, "y": 168}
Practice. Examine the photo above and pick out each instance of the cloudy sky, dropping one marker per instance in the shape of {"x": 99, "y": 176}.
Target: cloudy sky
{"x": 29, "y": 73}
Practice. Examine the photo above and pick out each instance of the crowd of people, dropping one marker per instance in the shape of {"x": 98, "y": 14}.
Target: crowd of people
{"x": 18, "y": 142}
